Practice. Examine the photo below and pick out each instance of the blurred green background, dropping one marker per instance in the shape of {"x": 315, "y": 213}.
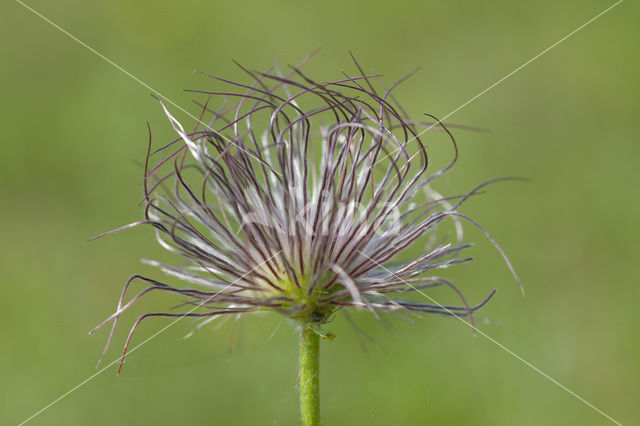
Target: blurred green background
{"x": 74, "y": 128}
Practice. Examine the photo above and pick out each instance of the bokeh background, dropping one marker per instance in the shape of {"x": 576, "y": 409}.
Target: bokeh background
{"x": 74, "y": 132}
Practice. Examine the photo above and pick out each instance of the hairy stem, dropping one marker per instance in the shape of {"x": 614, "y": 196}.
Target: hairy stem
{"x": 310, "y": 378}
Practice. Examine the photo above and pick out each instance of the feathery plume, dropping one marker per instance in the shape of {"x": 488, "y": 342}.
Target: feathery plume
{"x": 299, "y": 197}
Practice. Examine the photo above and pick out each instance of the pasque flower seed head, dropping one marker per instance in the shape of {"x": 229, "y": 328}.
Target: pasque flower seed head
{"x": 301, "y": 198}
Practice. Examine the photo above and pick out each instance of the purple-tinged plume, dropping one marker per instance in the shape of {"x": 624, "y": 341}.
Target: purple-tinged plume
{"x": 301, "y": 198}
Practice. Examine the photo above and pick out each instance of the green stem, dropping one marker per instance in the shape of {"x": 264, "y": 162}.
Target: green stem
{"x": 310, "y": 377}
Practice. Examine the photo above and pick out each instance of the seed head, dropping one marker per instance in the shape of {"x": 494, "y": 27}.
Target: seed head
{"x": 300, "y": 197}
